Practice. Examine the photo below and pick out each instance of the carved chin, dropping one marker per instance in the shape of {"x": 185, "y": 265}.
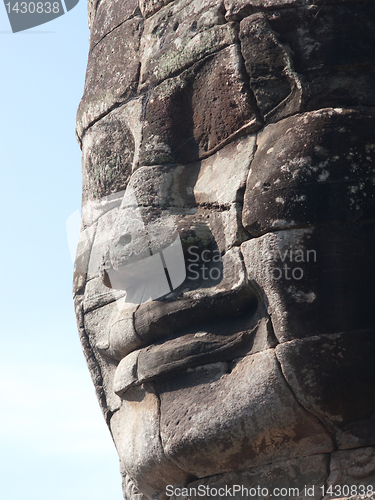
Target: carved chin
{"x": 221, "y": 417}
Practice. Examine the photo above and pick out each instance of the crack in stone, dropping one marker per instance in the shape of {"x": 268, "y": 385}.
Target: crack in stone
{"x": 136, "y": 13}
{"x": 302, "y": 406}
{"x": 312, "y": 226}
{"x": 156, "y": 392}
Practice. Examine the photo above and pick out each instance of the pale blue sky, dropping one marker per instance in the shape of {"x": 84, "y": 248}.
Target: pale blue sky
{"x": 54, "y": 444}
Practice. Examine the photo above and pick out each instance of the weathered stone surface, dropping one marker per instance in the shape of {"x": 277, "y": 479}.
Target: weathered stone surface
{"x": 292, "y": 475}
{"x": 107, "y": 156}
{"x": 314, "y": 168}
{"x": 333, "y": 376}
{"x": 123, "y": 338}
{"x": 91, "y": 9}
{"x": 315, "y": 280}
{"x": 257, "y": 421}
{"x": 164, "y": 186}
{"x": 96, "y": 208}
{"x": 218, "y": 180}
{"x": 110, "y": 14}
{"x": 101, "y": 242}
{"x": 199, "y": 111}
{"x": 98, "y": 295}
{"x": 140, "y": 448}
{"x": 112, "y": 73}
{"x": 96, "y": 324}
{"x": 180, "y": 35}
{"x": 226, "y": 226}
{"x": 352, "y": 468}
{"x": 278, "y": 89}
{"x": 222, "y": 176}
{"x": 149, "y": 7}
{"x": 129, "y": 489}
{"x": 238, "y": 9}
{"x": 332, "y": 49}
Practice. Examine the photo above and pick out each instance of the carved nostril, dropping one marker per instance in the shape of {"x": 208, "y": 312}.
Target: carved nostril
{"x": 125, "y": 239}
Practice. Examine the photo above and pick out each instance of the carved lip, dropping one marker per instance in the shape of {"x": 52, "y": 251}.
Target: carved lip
{"x": 180, "y": 353}
{"x": 223, "y": 340}
{"x": 159, "y": 321}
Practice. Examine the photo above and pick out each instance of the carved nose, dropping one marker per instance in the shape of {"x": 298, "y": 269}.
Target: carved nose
{"x": 145, "y": 259}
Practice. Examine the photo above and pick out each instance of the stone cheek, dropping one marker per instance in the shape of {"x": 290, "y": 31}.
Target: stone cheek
{"x": 257, "y": 421}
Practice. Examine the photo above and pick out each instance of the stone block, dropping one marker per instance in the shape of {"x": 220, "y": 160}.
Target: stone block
{"x": 135, "y": 430}
{"x": 334, "y": 77}
{"x": 192, "y": 115}
{"x": 179, "y": 35}
{"x": 333, "y": 377}
{"x": 149, "y": 7}
{"x": 238, "y": 9}
{"x": 112, "y": 73}
{"x": 300, "y": 478}
{"x": 109, "y": 15}
{"x": 257, "y": 421}
{"x": 313, "y": 168}
{"x": 352, "y": 468}
{"x": 222, "y": 176}
{"x": 96, "y": 208}
{"x": 278, "y": 89}
{"x": 107, "y": 156}
{"x": 98, "y": 295}
{"x": 315, "y": 280}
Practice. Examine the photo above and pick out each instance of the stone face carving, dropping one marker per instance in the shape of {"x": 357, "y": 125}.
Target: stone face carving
{"x": 224, "y": 281}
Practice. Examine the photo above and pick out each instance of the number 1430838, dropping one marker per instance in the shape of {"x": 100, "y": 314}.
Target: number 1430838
{"x": 26, "y": 14}
{"x": 33, "y": 8}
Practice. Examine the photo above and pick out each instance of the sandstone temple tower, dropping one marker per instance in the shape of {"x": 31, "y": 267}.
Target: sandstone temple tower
{"x": 225, "y": 274}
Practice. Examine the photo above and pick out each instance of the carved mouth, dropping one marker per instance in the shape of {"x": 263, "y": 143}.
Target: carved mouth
{"x": 223, "y": 339}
